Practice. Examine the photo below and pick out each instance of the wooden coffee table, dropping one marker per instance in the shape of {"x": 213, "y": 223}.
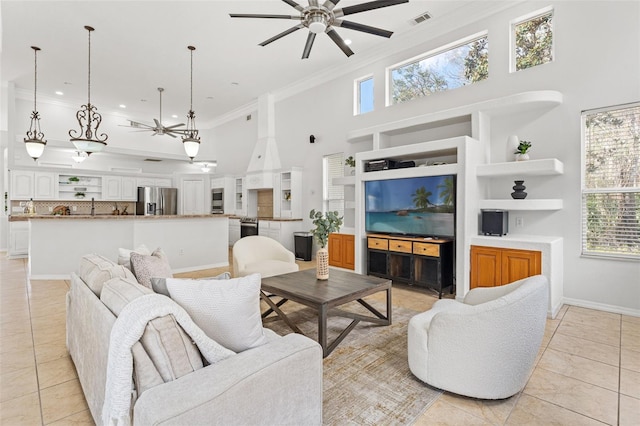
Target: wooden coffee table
{"x": 325, "y": 296}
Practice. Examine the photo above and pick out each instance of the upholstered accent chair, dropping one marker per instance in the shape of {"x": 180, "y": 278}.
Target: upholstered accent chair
{"x": 484, "y": 347}
{"x": 264, "y": 255}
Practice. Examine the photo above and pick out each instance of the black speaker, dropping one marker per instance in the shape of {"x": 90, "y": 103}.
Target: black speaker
{"x": 495, "y": 222}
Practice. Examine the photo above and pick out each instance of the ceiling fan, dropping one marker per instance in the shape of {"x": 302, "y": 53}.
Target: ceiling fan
{"x": 323, "y": 18}
{"x": 158, "y": 129}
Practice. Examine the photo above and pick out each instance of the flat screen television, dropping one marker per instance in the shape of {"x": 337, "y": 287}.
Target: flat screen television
{"x": 418, "y": 206}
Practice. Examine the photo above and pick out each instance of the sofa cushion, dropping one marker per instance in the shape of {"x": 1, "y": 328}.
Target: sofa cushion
{"x": 124, "y": 255}
{"x": 95, "y": 270}
{"x": 159, "y": 285}
{"x": 165, "y": 352}
{"x": 228, "y": 311}
{"x": 145, "y": 267}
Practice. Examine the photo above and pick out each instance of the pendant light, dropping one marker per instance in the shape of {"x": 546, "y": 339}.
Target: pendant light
{"x": 79, "y": 156}
{"x": 190, "y": 139}
{"x": 34, "y": 142}
{"x": 87, "y": 139}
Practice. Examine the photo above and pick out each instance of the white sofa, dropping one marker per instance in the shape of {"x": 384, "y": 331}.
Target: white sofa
{"x": 484, "y": 347}
{"x": 263, "y": 255}
{"x": 279, "y": 382}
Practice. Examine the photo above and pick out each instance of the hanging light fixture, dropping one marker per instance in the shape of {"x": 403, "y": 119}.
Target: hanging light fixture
{"x": 190, "y": 139}
{"x": 34, "y": 142}
{"x": 87, "y": 139}
{"x": 79, "y": 156}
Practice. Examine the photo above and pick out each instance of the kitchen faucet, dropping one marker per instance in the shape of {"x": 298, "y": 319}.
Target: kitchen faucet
{"x": 93, "y": 208}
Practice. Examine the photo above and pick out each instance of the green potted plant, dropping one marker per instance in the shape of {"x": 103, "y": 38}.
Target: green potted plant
{"x": 522, "y": 151}
{"x": 351, "y": 163}
{"x": 79, "y": 195}
{"x": 324, "y": 225}
{"x": 73, "y": 179}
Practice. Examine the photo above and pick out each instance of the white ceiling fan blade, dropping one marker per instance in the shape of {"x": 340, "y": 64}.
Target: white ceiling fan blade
{"x": 158, "y": 125}
{"x": 173, "y": 126}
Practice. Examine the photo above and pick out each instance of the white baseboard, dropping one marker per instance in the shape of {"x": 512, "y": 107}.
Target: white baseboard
{"x": 602, "y": 307}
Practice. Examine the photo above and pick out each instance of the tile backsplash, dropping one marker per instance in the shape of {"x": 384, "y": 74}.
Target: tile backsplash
{"x": 81, "y": 207}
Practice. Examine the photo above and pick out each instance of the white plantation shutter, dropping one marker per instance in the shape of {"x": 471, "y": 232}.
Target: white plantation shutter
{"x": 611, "y": 181}
{"x": 333, "y": 195}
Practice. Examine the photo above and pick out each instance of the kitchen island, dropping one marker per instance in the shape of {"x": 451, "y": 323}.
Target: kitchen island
{"x": 191, "y": 242}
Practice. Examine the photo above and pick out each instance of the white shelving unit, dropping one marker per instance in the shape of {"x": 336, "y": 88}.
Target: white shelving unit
{"x": 544, "y": 167}
{"x": 540, "y": 204}
{"x": 90, "y": 186}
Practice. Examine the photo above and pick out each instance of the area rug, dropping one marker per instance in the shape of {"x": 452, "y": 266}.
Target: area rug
{"x": 366, "y": 379}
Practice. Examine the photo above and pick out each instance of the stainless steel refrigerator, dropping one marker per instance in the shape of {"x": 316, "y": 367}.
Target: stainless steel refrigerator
{"x": 157, "y": 201}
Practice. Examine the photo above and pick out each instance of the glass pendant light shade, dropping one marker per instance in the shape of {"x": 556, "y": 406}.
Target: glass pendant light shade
{"x": 79, "y": 156}
{"x": 87, "y": 138}
{"x": 34, "y": 142}
{"x": 191, "y": 140}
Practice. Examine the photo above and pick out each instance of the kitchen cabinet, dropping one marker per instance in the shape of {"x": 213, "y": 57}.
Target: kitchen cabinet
{"x": 119, "y": 188}
{"x": 287, "y": 194}
{"x": 193, "y": 196}
{"x": 234, "y": 231}
{"x": 493, "y": 266}
{"x": 240, "y": 197}
{"x": 151, "y": 181}
{"x": 281, "y": 231}
{"x": 37, "y": 185}
{"x": 18, "y": 239}
{"x": 342, "y": 250}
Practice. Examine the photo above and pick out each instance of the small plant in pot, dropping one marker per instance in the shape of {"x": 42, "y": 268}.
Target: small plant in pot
{"x": 79, "y": 195}
{"x": 522, "y": 151}
{"x": 351, "y": 162}
{"x": 325, "y": 224}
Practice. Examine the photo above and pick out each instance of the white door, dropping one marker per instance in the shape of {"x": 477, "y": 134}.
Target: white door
{"x": 193, "y": 196}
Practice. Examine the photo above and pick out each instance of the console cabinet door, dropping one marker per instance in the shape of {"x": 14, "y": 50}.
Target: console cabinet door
{"x": 335, "y": 250}
{"x": 342, "y": 250}
{"x": 492, "y": 266}
{"x": 519, "y": 264}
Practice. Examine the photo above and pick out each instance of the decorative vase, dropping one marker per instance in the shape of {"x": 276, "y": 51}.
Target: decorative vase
{"x": 322, "y": 264}
{"x": 522, "y": 157}
{"x": 518, "y": 190}
{"x": 512, "y": 146}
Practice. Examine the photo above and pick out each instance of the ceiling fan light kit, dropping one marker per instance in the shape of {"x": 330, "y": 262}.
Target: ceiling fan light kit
{"x": 87, "y": 139}
{"x": 322, "y": 18}
{"x": 191, "y": 140}
{"x": 34, "y": 142}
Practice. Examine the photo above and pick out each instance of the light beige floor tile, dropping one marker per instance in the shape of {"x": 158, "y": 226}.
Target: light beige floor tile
{"x": 11, "y": 328}
{"x": 24, "y": 410}
{"x": 533, "y": 411}
{"x": 588, "y": 311}
{"x": 593, "y": 372}
{"x": 630, "y": 319}
{"x": 55, "y": 372}
{"x": 608, "y": 337}
{"x": 586, "y": 348}
{"x": 17, "y": 342}
{"x": 11, "y": 316}
{"x": 631, "y": 328}
{"x": 492, "y": 411}
{"x": 574, "y": 395}
{"x": 592, "y": 320}
{"x": 630, "y": 341}
{"x": 629, "y": 411}
{"x": 44, "y": 322}
{"x": 55, "y": 332}
{"x": 16, "y": 360}
{"x": 443, "y": 414}
{"x": 48, "y": 310}
{"x": 18, "y": 383}
{"x": 82, "y": 418}
{"x": 51, "y": 351}
{"x": 62, "y": 400}
{"x": 630, "y": 384}
{"x": 630, "y": 360}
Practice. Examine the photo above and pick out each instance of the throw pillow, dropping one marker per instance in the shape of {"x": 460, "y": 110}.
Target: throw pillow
{"x": 95, "y": 270}
{"x": 124, "y": 255}
{"x": 228, "y": 311}
{"x": 146, "y": 267}
{"x": 159, "y": 285}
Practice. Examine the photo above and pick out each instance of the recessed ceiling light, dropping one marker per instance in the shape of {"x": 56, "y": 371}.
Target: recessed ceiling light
{"x": 174, "y": 116}
{"x": 58, "y": 92}
{"x": 235, "y": 83}
{"x": 143, "y": 100}
{"x": 347, "y": 42}
{"x": 209, "y": 97}
{"x": 122, "y": 106}
{"x": 67, "y": 83}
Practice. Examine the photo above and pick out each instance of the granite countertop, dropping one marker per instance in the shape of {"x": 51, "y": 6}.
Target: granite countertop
{"x": 25, "y": 217}
{"x": 272, "y": 219}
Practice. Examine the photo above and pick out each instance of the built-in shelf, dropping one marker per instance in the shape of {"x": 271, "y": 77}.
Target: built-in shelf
{"x": 544, "y": 167}
{"x": 344, "y": 180}
{"x": 540, "y": 204}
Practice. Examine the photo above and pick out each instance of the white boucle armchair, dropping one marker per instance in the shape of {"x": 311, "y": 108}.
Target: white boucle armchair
{"x": 263, "y": 255}
{"x": 485, "y": 346}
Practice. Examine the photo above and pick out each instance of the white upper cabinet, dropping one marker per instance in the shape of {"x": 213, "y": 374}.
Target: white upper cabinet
{"x": 21, "y": 185}
{"x": 193, "y": 196}
{"x": 45, "y": 186}
{"x": 37, "y": 185}
{"x": 119, "y": 188}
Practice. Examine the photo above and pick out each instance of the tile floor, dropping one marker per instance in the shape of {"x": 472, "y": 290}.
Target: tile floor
{"x": 587, "y": 371}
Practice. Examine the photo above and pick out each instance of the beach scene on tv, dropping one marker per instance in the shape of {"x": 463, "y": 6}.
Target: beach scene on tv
{"x": 418, "y": 206}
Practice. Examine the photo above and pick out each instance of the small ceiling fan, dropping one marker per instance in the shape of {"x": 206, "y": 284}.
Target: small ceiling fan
{"x": 158, "y": 129}
{"x": 323, "y": 18}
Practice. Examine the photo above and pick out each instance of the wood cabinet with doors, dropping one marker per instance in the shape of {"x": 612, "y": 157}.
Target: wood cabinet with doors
{"x": 342, "y": 250}
{"x": 492, "y": 266}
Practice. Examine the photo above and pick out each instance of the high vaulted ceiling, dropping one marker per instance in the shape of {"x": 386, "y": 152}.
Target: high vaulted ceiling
{"x": 138, "y": 46}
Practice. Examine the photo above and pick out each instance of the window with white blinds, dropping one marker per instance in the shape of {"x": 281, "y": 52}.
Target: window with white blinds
{"x": 611, "y": 181}
{"x": 333, "y": 195}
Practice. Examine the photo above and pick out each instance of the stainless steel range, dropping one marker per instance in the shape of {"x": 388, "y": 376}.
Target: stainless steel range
{"x": 248, "y": 226}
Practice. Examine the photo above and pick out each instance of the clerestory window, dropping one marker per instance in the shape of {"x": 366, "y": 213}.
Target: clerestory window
{"x": 532, "y": 40}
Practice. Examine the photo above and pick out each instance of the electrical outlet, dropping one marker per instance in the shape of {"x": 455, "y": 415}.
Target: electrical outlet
{"x": 519, "y": 222}
{"x": 50, "y": 209}
{"x": 74, "y": 208}
{"x": 181, "y": 252}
